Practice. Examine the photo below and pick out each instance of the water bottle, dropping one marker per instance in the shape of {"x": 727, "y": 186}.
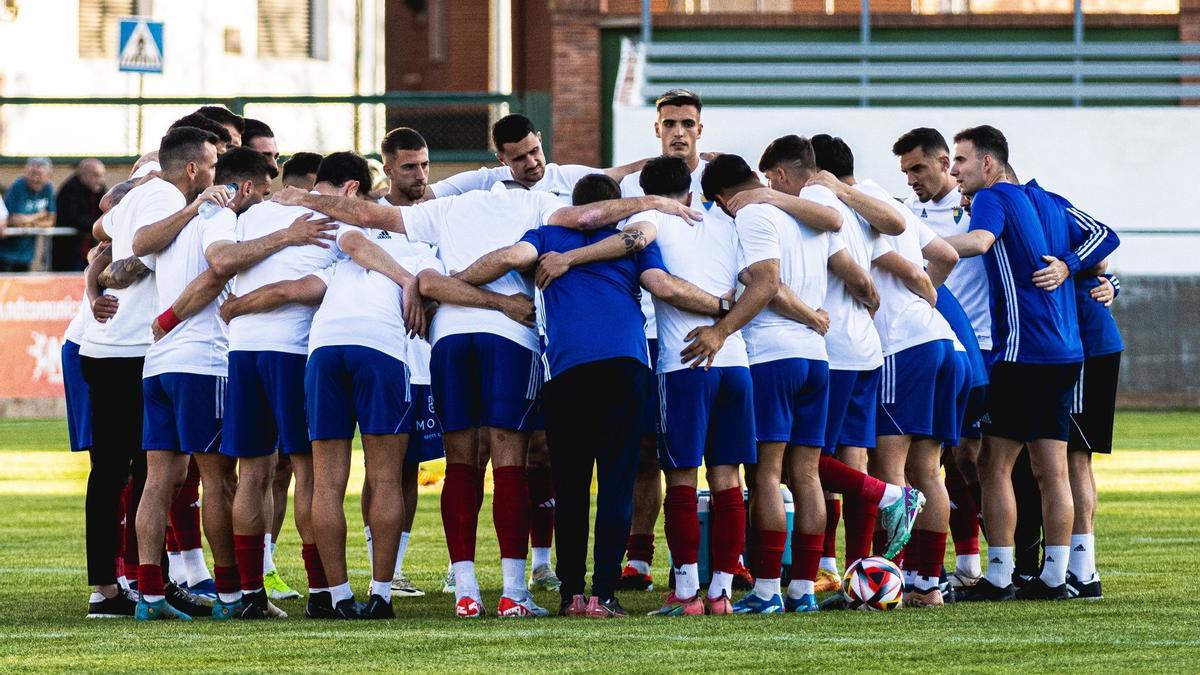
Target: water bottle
{"x": 209, "y": 209}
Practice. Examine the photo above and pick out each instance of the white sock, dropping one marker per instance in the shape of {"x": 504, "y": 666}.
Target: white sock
{"x": 798, "y": 588}
{"x": 829, "y": 565}
{"x": 513, "y": 571}
{"x": 341, "y": 592}
{"x": 891, "y": 495}
{"x": 229, "y": 598}
{"x": 383, "y": 589}
{"x": 541, "y": 556}
{"x": 722, "y": 582}
{"x": 1000, "y": 566}
{"x": 687, "y": 581}
{"x": 910, "y": 577}
{"x": 96, "y": 596}
{"x": 176, "y": 569}
{"x": 1054, "y": 565}
{"x": 153, "y": 598}
{"x": 197, "y": 568}
{"x": 925, "y": 583}
{"x": 400, "y": 551}
{"x": 464, "y": 579}
{"x": 766, "y": 588}
{"x": 968, "y": 564}
{"x": 268, "y": 554}
{"x": 641, "y": 566}
{"x": 1083, "y": 557}
{"x": 122, "y": 582}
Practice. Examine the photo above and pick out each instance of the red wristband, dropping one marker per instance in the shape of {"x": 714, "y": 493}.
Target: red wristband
{"x": 167, "y": 320}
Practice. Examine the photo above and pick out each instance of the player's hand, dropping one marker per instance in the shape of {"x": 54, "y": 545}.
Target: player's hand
{"x": 519, "y": 308}
{"x": 289, "y": 196}
{"x": 761, "y": 195}
{"x": 551, "y": 266}
{"x": 705, "y": 341}
{"x": 157, "y": 331}
{"x": 709, "y": 156}
{"x": 674, "y": 208}
{"x": 309, "y": 230}
{"x": 819, "y": 322}
{"x": 430, "y": 309}
{"x": 828, "y": 180}
{"x": 217, "y": 194}
{"x": 229, "y": 308}
{"x": 1052, "y": 275}
{"x": 104, "y": 307}
{"x": 414, "y": 310}
{"x": 1104, "y": 293}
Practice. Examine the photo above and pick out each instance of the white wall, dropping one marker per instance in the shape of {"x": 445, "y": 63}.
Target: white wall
{"x": 1129, "y": 167}
{"x": 39, "y": 57}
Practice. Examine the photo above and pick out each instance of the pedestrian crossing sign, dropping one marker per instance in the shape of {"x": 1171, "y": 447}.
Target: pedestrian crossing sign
{"x": 141, "y": 46}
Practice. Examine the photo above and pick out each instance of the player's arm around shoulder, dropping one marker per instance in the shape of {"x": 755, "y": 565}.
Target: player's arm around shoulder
{"x": 307, "y": 290}
{"x": 633, "y": 238}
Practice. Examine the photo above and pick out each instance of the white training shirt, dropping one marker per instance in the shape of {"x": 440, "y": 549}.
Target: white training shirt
{"x": 968, "y": 281}
{"x": 706, "y": 254}
{"x": 200, "y": 343}
{"x": 283, "y": 329}
{"x": 766, "y": 233}
{"x": 79, "y": 323}
{"x": 852, "y": 342}
{"x": 366, "y": 308}
{"x": 558, "y": 180}
{"x": 467, "y": 227}
{"x": 905, "y": 319}
{"x": 127, "y": 334}
{"x": 420, "y": 352}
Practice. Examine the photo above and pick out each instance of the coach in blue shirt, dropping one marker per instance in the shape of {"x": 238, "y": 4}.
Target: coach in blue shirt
{"x": 1037, "y": 350}
{"x": 30, "y": 203}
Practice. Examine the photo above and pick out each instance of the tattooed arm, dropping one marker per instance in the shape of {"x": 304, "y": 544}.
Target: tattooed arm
{"x": 122, "y": 273}
{"x": 632, "y": 239}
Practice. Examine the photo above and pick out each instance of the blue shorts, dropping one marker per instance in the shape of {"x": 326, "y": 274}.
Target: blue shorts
{"x": 953, "y": 390}
{"x": 79, "y": 400}
{"x": 348, "y": 384}
{"x": 791, "y": 401}
{"x": 484, "y": 380}
{"x": 182, "y": 412}
{"x": 918, "y": 392}
{"x": 425, "y": 441}
{"x": 707, "y": 417}
{"x": 264, "y": 405}
{"x": 973, "y": 415}
{"x": 650, "y": 412}
{"x": 853, "y": 399}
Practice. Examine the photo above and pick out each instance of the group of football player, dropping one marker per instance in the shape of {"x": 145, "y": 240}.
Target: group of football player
{"x": 913, "y": 368}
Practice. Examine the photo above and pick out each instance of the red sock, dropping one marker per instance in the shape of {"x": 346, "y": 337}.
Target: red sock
{"x": 510, "y": 511}
{"x": 641, "y": 547}
{"x": 912, "y": 557}
{"x": 837, "y": 477}
{"x": 541, "y": 498}
{"x": 248, "y": 551}
{"x": 150, "y": 580}
{"x": 480, "y": 479}
{"x": 833, "y": 513}
{"x": 964, "y": 514}
{"x": 313, "y": 566}
{"x": 933, "y": 552}
{"x": 879, "y": 542}
{"x": 227, "y": 579}
{"x": 769, "y": 561}
{"x": 169, "y": 540}
{"x": 460, "y": 510}
{"x": 860, "y": 525}
{"x": 185, "y": 511}
{"x": 682, "y": 524}
{"x": 806, "y": 555}
{"x": 728, "y": 529}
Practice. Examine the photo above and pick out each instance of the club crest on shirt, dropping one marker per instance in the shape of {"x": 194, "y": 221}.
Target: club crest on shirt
{"x": 957, "y": 213}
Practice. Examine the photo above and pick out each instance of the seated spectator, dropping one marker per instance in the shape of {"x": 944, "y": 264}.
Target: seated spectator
{"x": 30, "y": 203}
{"x": 78, "y": 207}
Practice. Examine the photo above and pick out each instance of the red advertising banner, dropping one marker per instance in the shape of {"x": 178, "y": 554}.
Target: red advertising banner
{"x": 34, "y": 312}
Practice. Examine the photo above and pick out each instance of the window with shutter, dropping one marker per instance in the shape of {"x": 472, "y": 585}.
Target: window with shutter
{"x": 98, "y": 26}
{"x": 285, "y": 29}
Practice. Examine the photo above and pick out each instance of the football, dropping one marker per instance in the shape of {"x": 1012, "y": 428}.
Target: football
{"x": 874, "y": 584}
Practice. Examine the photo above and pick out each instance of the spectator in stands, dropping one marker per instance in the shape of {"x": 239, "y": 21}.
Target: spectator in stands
{"x": 78, "y": 208}
{"x": 30, "y": 203}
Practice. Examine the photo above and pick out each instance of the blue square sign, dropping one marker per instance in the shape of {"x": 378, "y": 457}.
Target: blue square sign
{"x": 141, "y": 46}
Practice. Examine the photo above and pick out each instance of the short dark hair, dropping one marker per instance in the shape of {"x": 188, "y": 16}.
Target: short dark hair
{"x": 927, "y": 139}
{"x": 255, "y": 129}
{"x": 239, "y": 164}
{"x": 222, "y": 115}
{"x": 790, "y": 149}
{"x": 511, "y": 129}
{"x": 301, "y": 164}
{"x": 338, "y": 167}
{"x": 182, "y": 145}
{"x": 198, "y": 121}
{"x": 678, "y": 97}
{"x": 833, "y": 155}
{"x": 723, "y": 172}
{"x": 594, "y": 187}
{"x": 988, "y": 140}
{"x": 401, "y": 138}
{"x": 665, "y": 176}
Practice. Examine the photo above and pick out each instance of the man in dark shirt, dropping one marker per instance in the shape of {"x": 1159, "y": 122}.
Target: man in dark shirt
{"x": 78, "y": 208}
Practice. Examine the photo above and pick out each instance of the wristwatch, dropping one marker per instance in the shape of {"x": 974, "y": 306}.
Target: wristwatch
{"x": 725, "y": 305}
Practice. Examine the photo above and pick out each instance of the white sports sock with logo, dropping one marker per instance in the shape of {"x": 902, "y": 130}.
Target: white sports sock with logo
{"x": 383, "y": 589}
{"x": 1000, "y": 566}
{"x": 541, "y": 556}
{"x": 370, "y": 549}
{"x": 341, "y": 592}
{"x": 196, "y": 567}
{"x": 829, "y": 565}
{"x": 722, "y": 582}
{"x": 1054, "y": 565}
{"x": 1083, "y": 557}
{"x": 176, "y": 569}
{"x": 513, "y": 571}
{"x": 798, "y": 588}
{"x": 687, "y": 581}
{"x": 268, "y": 554}
{"x": 465, "y": 582}
{"x": 400, "y": 551}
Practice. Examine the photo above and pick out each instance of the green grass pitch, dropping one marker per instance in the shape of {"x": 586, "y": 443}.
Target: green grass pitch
{"x": 1148, "y": 533}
